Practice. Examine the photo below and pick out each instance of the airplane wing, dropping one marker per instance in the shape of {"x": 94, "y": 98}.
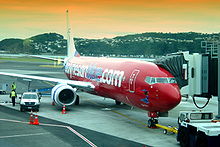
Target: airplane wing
{"x": 47, "y": 58}
{"x": 77, "y": 84}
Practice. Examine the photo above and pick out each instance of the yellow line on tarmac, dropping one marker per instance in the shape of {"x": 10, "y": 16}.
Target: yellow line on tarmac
{"x": 95, "y": 103}
{"x": 121, "y": 114}
{"x": 51, "y": 66}
{"x": 49, "y": 83}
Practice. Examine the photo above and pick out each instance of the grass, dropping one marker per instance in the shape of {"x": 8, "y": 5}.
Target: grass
{"x": 26, "y": 59}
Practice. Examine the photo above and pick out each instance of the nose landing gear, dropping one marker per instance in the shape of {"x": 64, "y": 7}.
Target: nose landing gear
{"x": 152, "y": 123}
{"x": 153, "y": 119}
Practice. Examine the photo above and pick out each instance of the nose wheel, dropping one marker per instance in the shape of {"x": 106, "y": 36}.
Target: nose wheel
{"x": 152, "y": 123}
{"x": 153, "y": 119}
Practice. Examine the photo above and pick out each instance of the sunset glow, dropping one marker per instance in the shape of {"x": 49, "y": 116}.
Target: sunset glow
{"x": 109, "y": 18}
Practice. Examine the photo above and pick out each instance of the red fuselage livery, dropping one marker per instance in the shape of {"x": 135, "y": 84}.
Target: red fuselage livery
{"x": 137, "y": 83}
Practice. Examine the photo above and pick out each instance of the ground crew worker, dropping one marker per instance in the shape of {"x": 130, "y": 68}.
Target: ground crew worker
{"x": 13, "y": 95}
{"x": 13, "y": 86}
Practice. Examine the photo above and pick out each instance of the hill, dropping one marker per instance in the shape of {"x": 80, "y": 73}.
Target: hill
{"x": 136, "y": 45}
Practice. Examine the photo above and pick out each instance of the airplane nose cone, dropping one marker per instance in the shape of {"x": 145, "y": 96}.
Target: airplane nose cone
{"x": 173, "y": 96}
{"x": 168, "y": 96}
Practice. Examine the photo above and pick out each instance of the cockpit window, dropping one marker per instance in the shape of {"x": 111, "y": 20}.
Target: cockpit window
{"x": 162, "y": 80}
{"x": 153, "y": 80}
{"x": 172, "y": 80}
{"x": 148, "y": 79}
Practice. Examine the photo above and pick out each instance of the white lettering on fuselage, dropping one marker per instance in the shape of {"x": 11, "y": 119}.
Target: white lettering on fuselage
{"x": 112, "y": 77}
{"x": 108, "y": 76}
{"x": 76, "y": 70}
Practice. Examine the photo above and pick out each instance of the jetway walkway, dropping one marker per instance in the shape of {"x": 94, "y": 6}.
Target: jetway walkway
{"x": 196, "y": 74}
{"x": 174, "y": 64}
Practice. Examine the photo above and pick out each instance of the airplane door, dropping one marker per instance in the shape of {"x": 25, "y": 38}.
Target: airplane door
{"x": 132, "y": 80}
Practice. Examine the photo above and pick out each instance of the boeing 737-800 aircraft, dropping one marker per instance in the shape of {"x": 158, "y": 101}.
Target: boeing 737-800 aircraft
{"x": 137, "y": 83}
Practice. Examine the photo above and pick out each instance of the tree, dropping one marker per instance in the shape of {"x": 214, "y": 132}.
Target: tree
{"x": 28, "y": 47}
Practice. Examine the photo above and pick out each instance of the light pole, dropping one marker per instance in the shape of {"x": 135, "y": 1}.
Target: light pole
{"x": 218, "y": 116}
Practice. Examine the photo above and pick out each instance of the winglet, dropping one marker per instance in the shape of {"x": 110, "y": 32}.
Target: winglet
{"x": 71, "y": 49}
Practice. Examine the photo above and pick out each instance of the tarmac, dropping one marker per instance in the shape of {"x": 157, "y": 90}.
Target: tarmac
{"x": 98, "y": 119}
{"x": 17, "y": 132}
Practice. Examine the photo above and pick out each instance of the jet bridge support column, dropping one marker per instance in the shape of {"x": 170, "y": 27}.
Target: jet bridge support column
{"x": 218, "y": 116}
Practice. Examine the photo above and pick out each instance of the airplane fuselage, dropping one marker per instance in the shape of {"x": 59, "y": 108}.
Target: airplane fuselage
{"x": 137, "y": 83}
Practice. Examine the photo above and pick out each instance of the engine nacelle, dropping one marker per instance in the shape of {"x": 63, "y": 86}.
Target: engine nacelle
{"x": 63, "y": 94}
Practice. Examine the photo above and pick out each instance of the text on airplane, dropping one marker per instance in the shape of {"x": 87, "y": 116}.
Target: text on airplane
{"x": 108, "y": 76}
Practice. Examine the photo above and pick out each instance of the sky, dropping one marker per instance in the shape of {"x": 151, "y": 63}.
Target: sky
{"x": 107, "y": 18}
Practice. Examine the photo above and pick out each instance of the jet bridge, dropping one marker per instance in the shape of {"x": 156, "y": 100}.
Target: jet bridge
{"x": 196, "y": 74}
{"x": 176, "y": 64}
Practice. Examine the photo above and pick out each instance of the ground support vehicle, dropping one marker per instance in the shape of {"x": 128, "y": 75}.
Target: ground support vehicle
{"x": 30, "y": 101}
{"x": 3, "y": 88}
{"x": 198, "y": 129}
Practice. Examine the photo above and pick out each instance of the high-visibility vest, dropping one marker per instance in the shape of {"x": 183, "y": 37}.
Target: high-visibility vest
{"x": 13, "y": 94}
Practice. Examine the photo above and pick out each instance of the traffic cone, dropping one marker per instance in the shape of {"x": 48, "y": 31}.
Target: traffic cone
{"x": 64, "y": 109}
{"x": 36, "y": 122}
{"x": 31, "y": 118}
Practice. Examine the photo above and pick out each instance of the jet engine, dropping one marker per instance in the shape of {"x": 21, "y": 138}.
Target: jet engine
{"x": 63, "y": 94}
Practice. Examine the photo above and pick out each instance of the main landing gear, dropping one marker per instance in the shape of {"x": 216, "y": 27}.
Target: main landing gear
{"x": 153, "y": 119}
{"x": 117, "y": 102}
{"x": 77, "y": 100}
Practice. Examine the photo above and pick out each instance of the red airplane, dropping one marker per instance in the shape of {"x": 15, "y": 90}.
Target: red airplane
{"x": 137, "y": 83}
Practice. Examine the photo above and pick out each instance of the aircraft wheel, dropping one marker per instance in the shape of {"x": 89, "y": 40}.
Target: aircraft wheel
{"x": 117, "y": 102}
{"x": 77, "y": 100}
{"x": 201, "y": 140}
{"x": 183, "y": 137}
{"x": 152, "y": 122}
{"x": 21, "y": 109}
